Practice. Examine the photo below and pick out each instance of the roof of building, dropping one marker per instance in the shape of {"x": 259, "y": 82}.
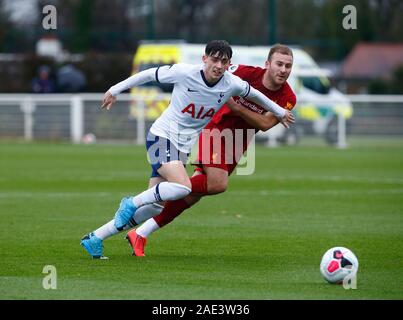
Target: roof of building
{"x": 372, "y": 60}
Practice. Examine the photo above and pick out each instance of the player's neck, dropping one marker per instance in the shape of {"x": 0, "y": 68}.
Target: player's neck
{"x": 210, "y": 81}
{"x": 269, "y": 83}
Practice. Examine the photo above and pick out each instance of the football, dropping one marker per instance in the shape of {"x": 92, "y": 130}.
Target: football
{"x": 338, "y": 263}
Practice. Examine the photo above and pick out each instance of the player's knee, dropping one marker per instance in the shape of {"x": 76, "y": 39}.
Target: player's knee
{"x": 217, "y": 187}
{"x": 188, "y": 185}
{"x": 182, "y": 189}
{"x": 183, "y": 182}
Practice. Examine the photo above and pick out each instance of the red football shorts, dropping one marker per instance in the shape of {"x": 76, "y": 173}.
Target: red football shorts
{"x": 221, "y": 147}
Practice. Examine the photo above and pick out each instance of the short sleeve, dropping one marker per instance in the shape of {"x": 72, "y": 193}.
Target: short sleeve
{"x": 291, "y": 102}
{"x": 290, "y": 99}
{"x": 242, "y": 71}
{"x": 239, "y": 87}
{"x": 171, "y": 73}
{"x": 233, "y": 68}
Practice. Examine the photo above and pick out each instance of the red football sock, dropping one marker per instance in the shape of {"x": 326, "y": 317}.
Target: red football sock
{"x": 171, "y": 210}
{"x": 199, "y": 184}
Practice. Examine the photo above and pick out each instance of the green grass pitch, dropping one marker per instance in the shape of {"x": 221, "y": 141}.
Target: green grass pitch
{"x": 262, "y": 239}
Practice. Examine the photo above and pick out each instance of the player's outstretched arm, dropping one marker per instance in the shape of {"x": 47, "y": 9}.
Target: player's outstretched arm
{"x": 269, "y": 105}
{"x": 135, "y": 80}
{"x": 262, "y": 122}
{"x": 288, "y": 119}
{"x": 108, "y": 100}
{"x": 285, "y": 116}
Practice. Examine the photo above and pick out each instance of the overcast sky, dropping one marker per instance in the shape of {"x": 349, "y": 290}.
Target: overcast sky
{"x": 22, "y": 11}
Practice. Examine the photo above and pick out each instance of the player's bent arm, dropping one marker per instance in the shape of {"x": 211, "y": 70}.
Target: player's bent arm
{"x": 270, "y": 121}
{"x": 135, "y": 80}
{"x": 259, "y": 121}
{"x": 269, "y": 105}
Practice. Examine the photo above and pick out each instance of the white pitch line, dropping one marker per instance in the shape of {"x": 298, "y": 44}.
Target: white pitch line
{"x": 107, "y": 177}
{"x": 323, "y": 178}
{"x": 40, "y": 194}
{"x": 248, "y": 193}
{"x": 264, "y": 193}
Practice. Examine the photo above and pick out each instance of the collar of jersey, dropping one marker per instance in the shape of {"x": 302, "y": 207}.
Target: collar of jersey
{"x": 206, "y": 82}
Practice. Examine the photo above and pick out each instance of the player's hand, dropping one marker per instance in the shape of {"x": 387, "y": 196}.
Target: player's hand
{"x": 287, "y": 119}
{"x": 233, "y": 105}
{"x": 108, "y": 101}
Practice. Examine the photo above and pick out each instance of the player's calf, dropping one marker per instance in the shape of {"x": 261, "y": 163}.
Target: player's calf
{"x": 217, "y": 180}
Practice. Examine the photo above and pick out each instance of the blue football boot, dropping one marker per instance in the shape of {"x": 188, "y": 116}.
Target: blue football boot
{"x": 93, "y": 245}
{"x": 124, "y": 215}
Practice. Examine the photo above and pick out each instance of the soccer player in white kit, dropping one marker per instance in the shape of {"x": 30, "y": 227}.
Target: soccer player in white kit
{"x": 199, "y": 92}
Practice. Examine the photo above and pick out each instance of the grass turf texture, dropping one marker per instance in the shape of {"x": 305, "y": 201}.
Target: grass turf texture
{"x": 262, "y": 239}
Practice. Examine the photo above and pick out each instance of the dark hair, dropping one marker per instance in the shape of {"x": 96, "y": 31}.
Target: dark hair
{"x": 280, "y": 48}
{"x": 221, "y": 47}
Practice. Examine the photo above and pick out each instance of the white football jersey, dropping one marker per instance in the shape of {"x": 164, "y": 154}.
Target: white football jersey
{"x": 193, "y": 103}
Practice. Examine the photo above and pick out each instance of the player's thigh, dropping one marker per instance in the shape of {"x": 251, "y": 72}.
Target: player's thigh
{"x": 217, "y": 179}
{"x": 174, "y": 171}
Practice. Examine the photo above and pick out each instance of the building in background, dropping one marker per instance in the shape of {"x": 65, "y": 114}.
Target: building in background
{"x": 369, "y": 62}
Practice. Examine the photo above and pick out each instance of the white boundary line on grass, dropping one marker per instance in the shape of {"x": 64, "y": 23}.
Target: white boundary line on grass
{"x": 264, "y": 193}
{"x": 285, "y": 177}
{"x": 281, "y": 192}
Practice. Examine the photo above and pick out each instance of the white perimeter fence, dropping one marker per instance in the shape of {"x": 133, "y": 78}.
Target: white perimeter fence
{"x": 72, "y": 116}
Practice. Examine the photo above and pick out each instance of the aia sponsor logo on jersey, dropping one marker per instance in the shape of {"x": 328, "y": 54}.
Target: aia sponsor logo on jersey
{"x": 196, "y": 113}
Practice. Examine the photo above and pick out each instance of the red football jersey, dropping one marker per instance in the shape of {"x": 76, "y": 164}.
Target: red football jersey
{"x": 284, "y": 97}
{"x": 226, "y": 156}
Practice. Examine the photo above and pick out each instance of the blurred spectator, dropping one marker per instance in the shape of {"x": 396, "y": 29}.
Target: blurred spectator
{"x": 43, "y": 82}
{"x": 70, "y": 79}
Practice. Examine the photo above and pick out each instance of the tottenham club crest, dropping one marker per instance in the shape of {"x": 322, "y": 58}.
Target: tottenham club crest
{"x": 220, "y": 99}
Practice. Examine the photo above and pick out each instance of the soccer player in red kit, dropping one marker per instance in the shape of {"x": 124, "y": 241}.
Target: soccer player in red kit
{"x": 216, "y": 162}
